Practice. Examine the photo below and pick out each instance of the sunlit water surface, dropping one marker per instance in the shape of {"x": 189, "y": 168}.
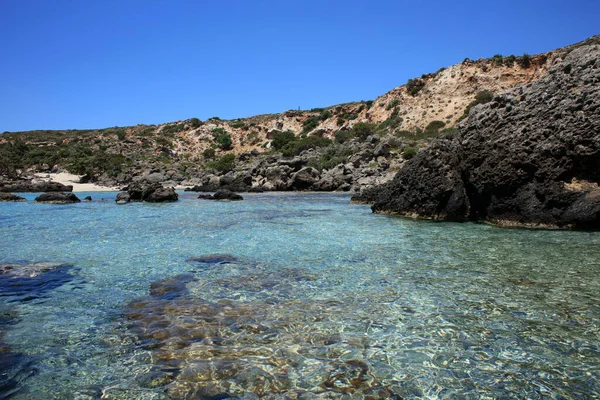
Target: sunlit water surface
{"x": 318, "y": 298}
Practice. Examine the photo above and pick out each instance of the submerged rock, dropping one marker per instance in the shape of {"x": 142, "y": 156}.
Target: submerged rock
{"x": 26, "y": 282}
{"x": 10, "y": 197}
{"x": 214, "y": 258}
{"x": 57, "y": 198}
{"x": 268, "y": 347}
{"x": 222, "y": 194}
{"x": 530, "y": 157}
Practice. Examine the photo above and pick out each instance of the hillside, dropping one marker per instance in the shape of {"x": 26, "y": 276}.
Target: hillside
{"x": 184, "y": 152}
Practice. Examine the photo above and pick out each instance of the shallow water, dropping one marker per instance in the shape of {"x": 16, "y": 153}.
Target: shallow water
{"x": 323, "y": 297}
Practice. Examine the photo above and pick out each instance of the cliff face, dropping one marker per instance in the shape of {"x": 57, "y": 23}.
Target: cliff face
{"x": 530, "y": 157}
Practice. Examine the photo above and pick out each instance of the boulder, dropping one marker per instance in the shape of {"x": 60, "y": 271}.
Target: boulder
{"x": 304, "y": 179}
{"x": 123, "y": 197}
{"x": 161, "y": 195}
{"x": 154, "y": 193}
{"x": 57, "y": 198}
{"x": 10, "y": 197}
{"x": 382, "y": 149}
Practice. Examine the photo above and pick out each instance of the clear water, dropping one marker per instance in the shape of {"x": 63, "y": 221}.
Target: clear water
{"x": 325, "y": 300}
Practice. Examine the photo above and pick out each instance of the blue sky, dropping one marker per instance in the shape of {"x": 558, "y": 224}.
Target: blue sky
{"x": 76, "y": 64}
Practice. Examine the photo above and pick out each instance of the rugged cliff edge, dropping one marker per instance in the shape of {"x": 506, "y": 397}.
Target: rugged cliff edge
{"x": 530, "y": 157}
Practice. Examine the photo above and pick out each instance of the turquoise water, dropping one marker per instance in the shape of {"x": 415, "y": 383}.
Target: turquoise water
{"x": 318, "y": 298}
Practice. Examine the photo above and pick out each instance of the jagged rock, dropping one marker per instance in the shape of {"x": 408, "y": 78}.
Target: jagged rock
{"x": 87, "y": 198}
{"x": 304, "y": 178}
{"x": 57, "y": 198}
{"x": 154, "y": 193}
{"x": 34, "y": 187}
{"x": 335, "y": 179}
{"x": 161, "y": 195}
{"x": 155, "y": 177}
{"x": 295, "y": 163}
{"x": 361, "y": 157}
{"x": 530, "y": 157}
{"x": 382, "y": 149}
{"x": 10, "y": 197}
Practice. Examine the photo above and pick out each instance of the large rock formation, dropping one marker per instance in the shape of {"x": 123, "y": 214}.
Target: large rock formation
{"x": 530, "y": 157}
{"x": 28, "y": 186}
{"x": 153, "y": 193}
{"x": 57, "y": 198}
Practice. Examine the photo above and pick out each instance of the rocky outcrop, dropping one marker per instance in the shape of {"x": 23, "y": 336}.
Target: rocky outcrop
{"x": 28, "y": 186}
{"x": 305, "y": 178}
{"x": 57, "y": 198}
{"x": 153, "y": 193}
{"x": 10, "y": 197}
{"x": 530, "y": 157}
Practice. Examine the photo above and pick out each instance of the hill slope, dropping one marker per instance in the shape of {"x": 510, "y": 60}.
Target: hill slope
{"x": 404, "y": 118}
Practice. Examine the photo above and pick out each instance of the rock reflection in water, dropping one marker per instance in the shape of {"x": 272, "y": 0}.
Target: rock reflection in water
{"x": 269, "y": 346}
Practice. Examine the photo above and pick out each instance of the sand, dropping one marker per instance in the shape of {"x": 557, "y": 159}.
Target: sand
{"x": 70, "y": 179}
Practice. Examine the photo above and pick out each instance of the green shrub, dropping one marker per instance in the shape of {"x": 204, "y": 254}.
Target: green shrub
{"x": 524, "y": 61}
{"x": 362, "y": 130}
{"x": 343, "y": 136}
{"x": 164, "y": 142}
{"x": 498, "y": 60}
{"x": 297, "y": 146}
{"x": 509, "y": 61}
{"x": 310, "y": 124}
{"x": 414, "y": 86}
{"x": 567, "y": 69}
{"x": 281, "y": 139}
{"x": 324, "y": 115}
{"x": 224, "y": 141}
{"x": 392, "y": 104}
{"x": 208, "y": 154}
{"x": 171, "y": 129}
{"x": 434, "y": 126}
{"x": 369, "y": 103}
{"x": 195, "y": 122}
{"x": 483, "y": 97}
{"x": 223, "y": 164}
{"x": 409, "y": 153}
{"x": 237, "y": 124}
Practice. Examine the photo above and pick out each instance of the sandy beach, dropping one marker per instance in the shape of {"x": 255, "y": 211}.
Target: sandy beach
{"x": 71, "y": 179}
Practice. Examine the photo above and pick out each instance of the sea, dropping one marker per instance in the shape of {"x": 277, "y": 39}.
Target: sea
{"x": 290, "y": 296}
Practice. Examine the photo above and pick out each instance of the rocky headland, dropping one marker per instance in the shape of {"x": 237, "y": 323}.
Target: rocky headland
{"x": 529, "y": 157}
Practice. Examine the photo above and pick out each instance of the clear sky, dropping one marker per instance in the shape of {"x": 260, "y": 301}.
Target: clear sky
{"x": 76, "y": 64}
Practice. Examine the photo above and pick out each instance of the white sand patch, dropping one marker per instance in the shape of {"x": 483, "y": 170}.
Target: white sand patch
{"x": 71, "y": 179}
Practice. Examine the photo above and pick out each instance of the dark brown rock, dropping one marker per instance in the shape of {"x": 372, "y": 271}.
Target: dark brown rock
{"x": 27, "y": 186}
{"x": 10, "y": 197}
{"x": 57, "y": 198}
